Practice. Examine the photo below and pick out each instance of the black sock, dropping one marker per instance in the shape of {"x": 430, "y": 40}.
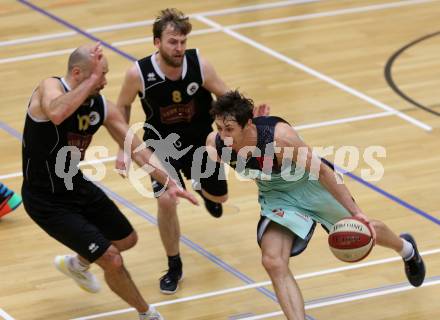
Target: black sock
{"x": 175, "y": 263}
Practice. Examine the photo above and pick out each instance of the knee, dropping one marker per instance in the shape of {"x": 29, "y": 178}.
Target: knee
{"x": 165, "y": 203}
{"x": 274, "y": 264}
{"x": 126, "y": 243}
{"x": 132, "y": 239}
{"x": 111, "y": 260}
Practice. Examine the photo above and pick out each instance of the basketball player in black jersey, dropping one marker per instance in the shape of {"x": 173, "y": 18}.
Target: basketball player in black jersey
{"x": 62, "y": 117}
{"x": 291, "y": 205}
{"x": 174, "y": 86}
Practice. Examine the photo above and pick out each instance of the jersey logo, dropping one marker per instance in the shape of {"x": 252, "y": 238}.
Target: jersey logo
{"x": 279, "y": 212}
{"x": 86, "y": 120}
{"x": 176, "y": 113}
{"x": 151, "y": 77}
{"x": 192, "y": 88}
{"x": 93, "y": 247}
{"x": 80, "y": 141}
{"x": 94, "y": 118}
{"x": 83, "y": 122}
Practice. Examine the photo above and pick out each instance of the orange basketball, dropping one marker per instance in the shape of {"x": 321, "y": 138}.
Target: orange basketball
{"x": 350, "y": 240}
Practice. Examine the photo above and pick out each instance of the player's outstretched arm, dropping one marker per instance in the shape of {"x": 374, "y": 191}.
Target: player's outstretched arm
{"x": 130, "y": 87}
{"x": 119, "y": 130}
{"x": 212, "y": 82}
{"x": 210, "y": 147}
{"x": 286, "y": 137}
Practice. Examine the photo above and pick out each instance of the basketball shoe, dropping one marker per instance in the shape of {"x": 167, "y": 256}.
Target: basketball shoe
{"x": 9, "y": 200}
{"x": 85, "y": 279}
{"x": 215, "y": 209}
{"x": 151, "y": 314}
{"x": 414, "y": 266}
{"x": 169, "y": 282}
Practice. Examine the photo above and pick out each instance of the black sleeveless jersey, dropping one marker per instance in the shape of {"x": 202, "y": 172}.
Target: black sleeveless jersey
{"x": 42, "y": 141}
{"x": 265, "y": 161}
{"x": 181, "y": 106}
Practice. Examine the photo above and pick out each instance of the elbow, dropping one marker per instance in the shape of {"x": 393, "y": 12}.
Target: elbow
{"x": 56, "y": 118}
{"x": 56, "y": 115}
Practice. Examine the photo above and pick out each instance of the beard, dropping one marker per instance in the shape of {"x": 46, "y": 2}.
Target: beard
{"x": 175, "y": 62}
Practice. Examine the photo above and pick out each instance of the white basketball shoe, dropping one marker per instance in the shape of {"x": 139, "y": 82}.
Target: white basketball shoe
{"x": 151, "y": 314}
{"x": 85, "y": 279}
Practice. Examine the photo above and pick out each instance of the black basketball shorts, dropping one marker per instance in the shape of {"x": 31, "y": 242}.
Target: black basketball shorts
{"x": 85, "y": 219}
{"x": 214, "y": 184}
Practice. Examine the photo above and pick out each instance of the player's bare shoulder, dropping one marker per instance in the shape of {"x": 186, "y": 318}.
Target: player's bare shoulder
{"x": 284, "y": 134}
{"x": 132, "y": 75}
{"x": 49, "y": 84}
{"x": 46, "y": 90}
{"x": 210, "y": 140}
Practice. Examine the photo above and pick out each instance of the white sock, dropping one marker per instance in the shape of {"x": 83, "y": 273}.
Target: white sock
{"x": 407, "y": 251}
{"x": 77, "y": 264}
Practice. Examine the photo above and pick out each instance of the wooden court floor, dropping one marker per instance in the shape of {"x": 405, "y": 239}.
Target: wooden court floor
{"x": 320, "y": 65}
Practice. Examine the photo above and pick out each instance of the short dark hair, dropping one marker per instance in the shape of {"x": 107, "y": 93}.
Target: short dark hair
{"x": 233, "y": 105}
{"x": 173, "y": 17}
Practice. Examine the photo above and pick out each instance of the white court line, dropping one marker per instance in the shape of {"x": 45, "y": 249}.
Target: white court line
{"x": 5, "y": 316}
{"x": 135, "y": 24}
{"x": 329, "y": 13}
{"x": 264, "y": 6}
{"x": 203, "y": 31}
{"x": 344, "y": 120}
{"x": 355, "y": 297}
{"x": 82, "y": 163}
{"x": 276, "y": 55}
{"x": 37, "y": 56}
{"x": 11, "y": 175}
{"x": 50, "y": 36}
{"x": 300, "y": 127}
{"x": 281, "y": 20}
{"x": 315, "y": 73}
{"x": 114, "y": 44}
{"x": 150, "y": 39}
{"x": 260, "y": 284}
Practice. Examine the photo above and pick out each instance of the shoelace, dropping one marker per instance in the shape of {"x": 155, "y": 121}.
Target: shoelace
{"x": 170, "y": 276}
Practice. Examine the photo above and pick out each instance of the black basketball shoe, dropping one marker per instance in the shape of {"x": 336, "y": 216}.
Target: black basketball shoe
{"x": 169, "y": 283}
{"x": 214, "y": 208}
{"x": 414, "y": 267}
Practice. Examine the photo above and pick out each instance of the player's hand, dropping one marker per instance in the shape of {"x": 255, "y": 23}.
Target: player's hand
{"x": 261, "y": 110}
{"x": 96, "y": 56}
{"x": 122, "y": 163}
{"x": 362, "y": 217}
{"x": 175, "y": 192}
{"x": 97, "y": 62}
